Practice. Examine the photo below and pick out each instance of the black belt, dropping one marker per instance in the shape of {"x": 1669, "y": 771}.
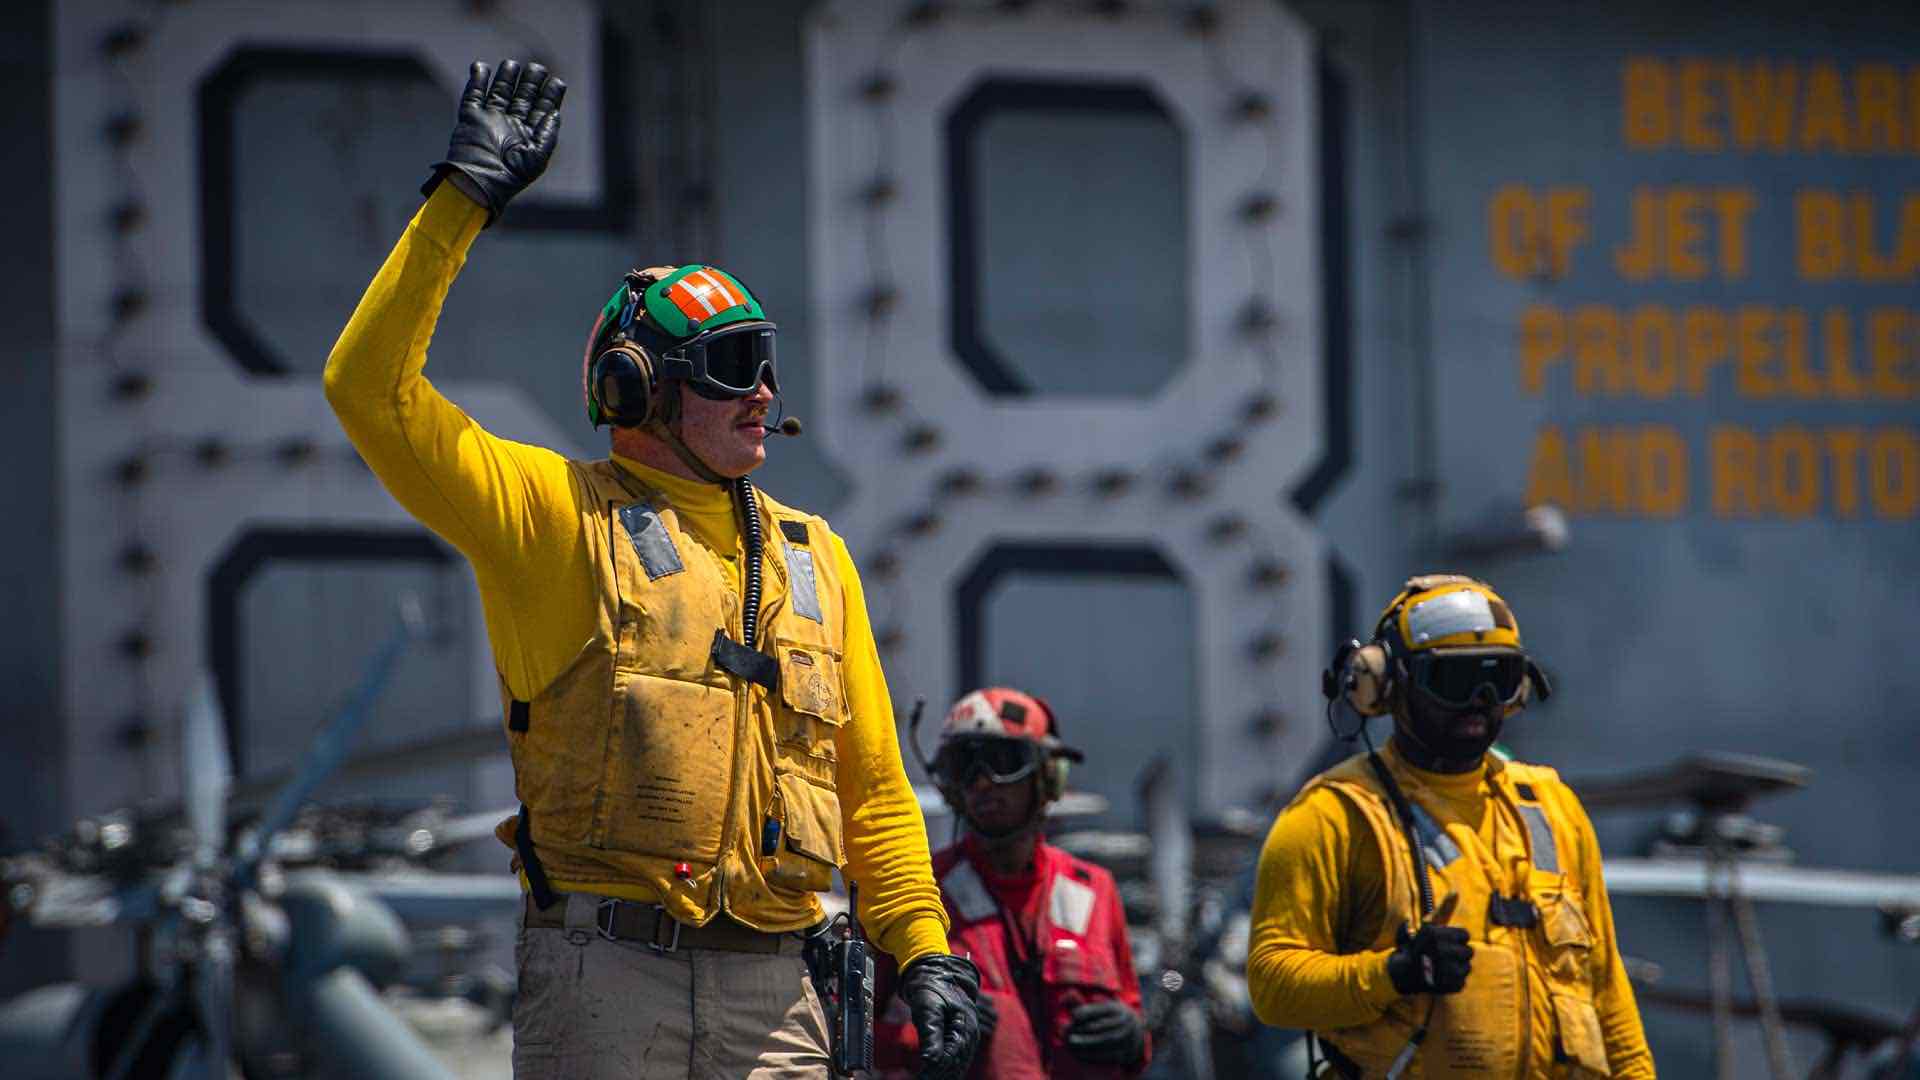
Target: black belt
{"x": 650, "y": 925}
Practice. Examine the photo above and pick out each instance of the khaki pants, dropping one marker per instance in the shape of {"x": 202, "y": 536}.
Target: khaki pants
{"x": 593, "y": 1009}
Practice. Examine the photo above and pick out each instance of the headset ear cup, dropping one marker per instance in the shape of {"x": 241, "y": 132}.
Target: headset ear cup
{"x": 622, "y": 384}
{"x": 1368, "y": 684}
{"x": 1056, "y": 778}
{"x": 1538, "y": 686}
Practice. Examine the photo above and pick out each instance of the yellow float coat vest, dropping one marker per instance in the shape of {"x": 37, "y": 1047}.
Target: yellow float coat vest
{"x": 646, "y": 770}
{"x": 1521, "y": 977}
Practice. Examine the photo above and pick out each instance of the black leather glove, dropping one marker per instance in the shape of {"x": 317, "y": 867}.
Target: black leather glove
{"x": 1433, "y": 961}
{"x": 508, "y": 123}
{"x": 988, "y": 1015}
{"x": 1106, "y": 1033}
{"x": 942, "y": 991}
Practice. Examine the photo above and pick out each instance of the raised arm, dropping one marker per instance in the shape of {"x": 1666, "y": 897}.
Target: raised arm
{"x": 508, "y": 507}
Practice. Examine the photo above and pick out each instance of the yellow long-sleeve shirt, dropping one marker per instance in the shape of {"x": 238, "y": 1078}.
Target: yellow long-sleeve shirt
{"x": 1322, "y": 897}
{"x": 510, "y": 509}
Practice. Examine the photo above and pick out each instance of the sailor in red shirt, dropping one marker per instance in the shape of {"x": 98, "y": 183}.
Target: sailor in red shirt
{"x": 1058, "y": 995}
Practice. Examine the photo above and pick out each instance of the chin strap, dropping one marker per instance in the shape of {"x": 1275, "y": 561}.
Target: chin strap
{"x": 684, "y": 452}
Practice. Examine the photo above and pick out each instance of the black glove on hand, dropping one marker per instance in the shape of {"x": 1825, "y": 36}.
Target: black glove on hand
{"x": 1433, "y": 961}
{"x": 988, "y": 1015}
{"x": 942, "y": 991}
{"x": 1107, "y": 1033}
{"x": 508, "y": 122}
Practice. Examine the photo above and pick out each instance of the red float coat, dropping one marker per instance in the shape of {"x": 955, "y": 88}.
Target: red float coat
{"x": 1063, "y": 922}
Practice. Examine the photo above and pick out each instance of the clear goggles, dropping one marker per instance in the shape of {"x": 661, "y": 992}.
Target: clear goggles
{"x": 1464, "y": 679}
{"x": 730, "y": 362}
{"x": 1001, "y": 759}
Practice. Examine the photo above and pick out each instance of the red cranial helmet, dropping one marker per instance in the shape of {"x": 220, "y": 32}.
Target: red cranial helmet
{"x": 984, "y": 730}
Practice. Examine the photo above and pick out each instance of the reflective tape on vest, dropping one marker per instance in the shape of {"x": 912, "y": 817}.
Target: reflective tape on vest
{"x": 1070, "y": 905}
{"x": 1545, "y": 855}
{"x": 968, "y": 893}
{"x": 650, "y": 541}
{"x": 1435, "y": 844}
{"x": 804, "y": 590}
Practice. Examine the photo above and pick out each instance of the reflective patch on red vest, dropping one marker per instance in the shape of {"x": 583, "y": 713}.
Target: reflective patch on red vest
{"x": 1070, "y": 905}
{"x": 968, "y": 893}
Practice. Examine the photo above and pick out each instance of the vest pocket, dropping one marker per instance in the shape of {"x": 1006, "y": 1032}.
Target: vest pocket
{"x": 1564, "y": 923}
{"x": 814, "y": 704}
{"x": 1581, "y": 1039}
{"x": 1479, "y": 1031}
{"x": 810, "y": 843}
{"x": 669, "y": 765}
{"x": 1569, "y": 940}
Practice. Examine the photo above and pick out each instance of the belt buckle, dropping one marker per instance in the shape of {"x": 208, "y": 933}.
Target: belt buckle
{"x": 660, "y": 915}
{"x": 603, "y": 918}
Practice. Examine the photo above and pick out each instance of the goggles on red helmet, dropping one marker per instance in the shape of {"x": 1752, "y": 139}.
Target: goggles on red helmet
{"x": 1461, "y": 680}
{"x": 1001, "y": 759}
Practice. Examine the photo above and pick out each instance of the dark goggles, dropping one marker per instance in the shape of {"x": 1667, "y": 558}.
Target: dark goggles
{"x": 727, "y": 363}
{"x": 1001, "y": 760}
{"x": 1461, "y": 680}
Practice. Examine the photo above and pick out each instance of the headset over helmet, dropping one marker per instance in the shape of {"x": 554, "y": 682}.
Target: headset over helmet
{"x": 1447, "y": 639}
{"x": 1006, "y": 736}
{"x": 695, "y": 324}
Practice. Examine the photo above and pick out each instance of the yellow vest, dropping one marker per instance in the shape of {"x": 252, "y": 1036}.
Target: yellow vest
{"x": 649, "y": 772}
{"x": 1529, "y": 987}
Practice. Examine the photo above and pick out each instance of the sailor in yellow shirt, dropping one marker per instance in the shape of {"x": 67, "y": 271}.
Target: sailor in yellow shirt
{"x": 1490, "y": 953}
{"x": 699, "y": 725}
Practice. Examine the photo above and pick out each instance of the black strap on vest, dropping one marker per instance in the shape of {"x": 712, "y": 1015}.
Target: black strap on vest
{"x": 543, "y": 894}
{"x": 1512, "y": 911}
{"x": 1338, "y": 1063}
{"x": 519, "y": 716}
{"x": 750, "y": 664}
{"x": 1404, "y": 811}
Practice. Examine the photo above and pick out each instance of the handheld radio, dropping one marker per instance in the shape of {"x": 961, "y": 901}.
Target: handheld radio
{"x": 841, "y": 964}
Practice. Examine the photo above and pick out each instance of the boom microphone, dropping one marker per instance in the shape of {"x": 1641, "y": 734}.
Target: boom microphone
{"x": 789, "y": 426}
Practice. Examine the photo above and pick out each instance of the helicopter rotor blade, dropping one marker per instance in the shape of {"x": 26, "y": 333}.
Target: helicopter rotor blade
{"x": 434, "y": 898}
{"x": 329, "y": 747}
{"x": 465, "y": 743}
{"x": 206, "y": 769}
{"x": 1712, "y": 781}
{"x": 1170, "y": 863}
{"x": 213, "y": 1000}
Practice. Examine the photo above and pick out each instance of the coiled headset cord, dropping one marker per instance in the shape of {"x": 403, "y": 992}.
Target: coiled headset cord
{"x": 748, "y": 504}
